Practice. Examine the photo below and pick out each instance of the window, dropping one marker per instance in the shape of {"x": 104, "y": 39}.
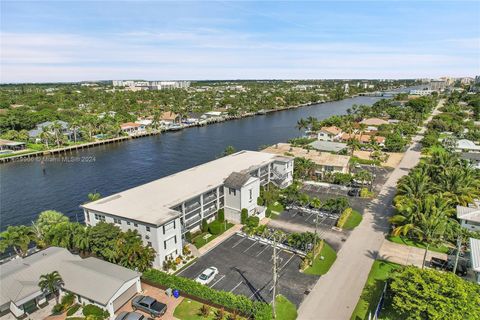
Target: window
{"x": 147, "y": 228}
{"x": 128, "y": 223}
{"x": 88, "y": 216}
{"x": 99, "y": 217}
{"x": 169, "y": 226}
{"x": 169, "y": 242}
{"x": 232, "y": 191}
{"x": 250, "y": 192}
{"x": 135, "y": 224}
{"x": 149, "y": 244}
{"x": 147, "y": 237}
{"x": 117, "y": 221}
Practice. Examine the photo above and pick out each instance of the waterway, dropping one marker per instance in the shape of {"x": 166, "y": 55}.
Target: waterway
{"x": 63, "y": 182}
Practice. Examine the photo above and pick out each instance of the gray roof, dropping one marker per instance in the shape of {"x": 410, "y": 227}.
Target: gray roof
{"x": 237, "y": 180}
{"x": 329, "y": 146}
{"x": 92, "y": 278}
{"x": 38, "y": 129}
{"x": 468, "y": 213}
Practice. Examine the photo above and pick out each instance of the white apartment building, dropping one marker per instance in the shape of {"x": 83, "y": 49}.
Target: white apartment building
{"x": 163, "y": 210}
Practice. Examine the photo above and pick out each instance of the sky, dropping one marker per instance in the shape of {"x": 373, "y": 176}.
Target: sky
{"x": 56, "y": 41}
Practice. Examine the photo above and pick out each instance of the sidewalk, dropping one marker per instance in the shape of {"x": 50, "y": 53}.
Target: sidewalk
{"x": 212, "y": 244}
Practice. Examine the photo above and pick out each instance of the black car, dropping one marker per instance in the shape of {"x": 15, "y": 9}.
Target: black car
{"x": 149, "y": 305}
{"x": 354, "y": 192}
{"x": 441, "y": 264}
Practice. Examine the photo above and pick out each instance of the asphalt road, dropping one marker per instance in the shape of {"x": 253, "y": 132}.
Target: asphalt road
{"x": 336, "y": 294}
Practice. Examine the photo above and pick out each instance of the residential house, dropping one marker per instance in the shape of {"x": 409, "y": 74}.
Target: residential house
{"x": 364, "y": 138}
{"x": 132, "y": 128}
{"x": 464, "y": 145}
{"x": 213, "y": 114}
{"x": 163, "y": 210}
{"x": 328, "y": 146}
{"x": 91, "y": 280}
{"x": 8, "y": 145}
{"x": 469, "y": 216}
{"x": 374, "y": 122}
{"x": 329, "y": 133}
{"x": 170, "y": 118}
{"x": 475, "y": 257}
{"x": 34, "y": 134}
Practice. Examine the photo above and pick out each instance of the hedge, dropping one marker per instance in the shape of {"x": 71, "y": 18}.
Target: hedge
{"x": 343, "y": 218}
{"x": 243, "y": 216}
{"x": 252, "y": 222}
{"x": 244, "y": 305}
{"x": 96, "y": 312}
{"x": 221, "y": 215}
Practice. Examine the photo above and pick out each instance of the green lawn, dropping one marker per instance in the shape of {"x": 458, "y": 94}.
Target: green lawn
{"x": 285, "y": 309}
{"x": 190, "y": 310}
{"x": 198, "y": 241}
{"x": 373, "y": 288}
{"x": 320, "y": 266}
{"x": 276, "y": 207}
{"x": 413, "y": 243}
{"x": 353, "y": 220}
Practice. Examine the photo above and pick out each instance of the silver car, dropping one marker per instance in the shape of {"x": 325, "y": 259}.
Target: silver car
{"x": 131, "y": 316}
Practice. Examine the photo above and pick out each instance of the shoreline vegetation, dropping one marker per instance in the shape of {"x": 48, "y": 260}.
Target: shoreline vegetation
{"x": 96, "y": 114}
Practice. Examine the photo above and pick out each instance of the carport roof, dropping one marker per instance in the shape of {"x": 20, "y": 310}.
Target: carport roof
{"x": 475, "y": 254}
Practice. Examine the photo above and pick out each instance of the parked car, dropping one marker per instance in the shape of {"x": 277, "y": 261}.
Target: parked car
{"x": 441, "y": 264}
{"x": 207, "y": 275}
{"x": 131, "y": 316}
{"x": 354, "y": 192}
{"x": 437, "y": 263}
{"x": 149, "y": 305}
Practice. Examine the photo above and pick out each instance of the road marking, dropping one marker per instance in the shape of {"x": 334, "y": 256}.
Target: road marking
{"x": 250, "y": 246}
{"x": 286, "y": 262}
{"x": 217, "y": 281}
{"x": 258, "y": 290}
{"x": 238, "y": 242}
{"x": 181, "y": 271}
{"x": 266, "y": 247}
{"x": 236, "y": 286}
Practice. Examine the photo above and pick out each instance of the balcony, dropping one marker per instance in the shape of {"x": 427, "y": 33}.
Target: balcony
{"x": 209, "y": 198}
{"x": 191, "y": 207}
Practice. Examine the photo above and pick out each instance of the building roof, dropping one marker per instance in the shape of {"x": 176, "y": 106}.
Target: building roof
{"x": 320, "y": 158}
{"x": 168, "y": 115}
{"x": 475, "y": 254}
{"x": 237, "y": 180}
{"x": 374, "y": 121}
{"x": 92, "y": 278}
{"x": 328, "y": 146}
{"x": 468, "y": 213}
{"x": 127, "y": 125}
{"x": 365, "y": 138}
{"x": 4, "y": 142}
{"x": 331, "y": 130}
{"x": 152, "y": 202}
{"x": 39, "y": 127}
{"x": 465, "y": 144}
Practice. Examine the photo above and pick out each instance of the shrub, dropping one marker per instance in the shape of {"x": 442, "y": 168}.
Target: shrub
{"x": 343, "y": 217}
{"x": 260, "y": 201}
{"x": 268, "y": 213}
{"x": 205, "y": 310}
{"x": 67, "y": 300}
{"x": 221, "y": 215}
{"x": 73, "y": 309}
{"x": 204, "y": 226}
{"x": 94, "y": 311}
{"x": 365, "y": 193}
{"x": 188, "y": 236}
{"x": 244, "y": 216}
{"x": 58, "y": 308}
{"x": 220, "y": 314}
{"x": 252, "y": 222}
{"x": 245, "y": 306}
{"x": 186, "y": 251}
{"x": 216, "y": 227}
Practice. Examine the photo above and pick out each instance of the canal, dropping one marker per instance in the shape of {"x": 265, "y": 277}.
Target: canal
{"x": 63, "y": 182}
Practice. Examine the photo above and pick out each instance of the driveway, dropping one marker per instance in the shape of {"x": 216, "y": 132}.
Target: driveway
{"x": 406, "y": 255}
{"x": 158, "y": 294}
{"x": 336, "y": 294}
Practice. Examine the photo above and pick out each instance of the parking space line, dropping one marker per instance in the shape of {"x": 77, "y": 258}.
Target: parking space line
{"x": 254, "y": 243}
{"x": 217, "y": 281}
{"x": 238, "y": 242}
{"x": 258, "y": 290}
{"x": 281, "y": 268}
{"x": 266, "y": 247}
{"x": 181, "y": 271}
{"x": 236, "y": 286}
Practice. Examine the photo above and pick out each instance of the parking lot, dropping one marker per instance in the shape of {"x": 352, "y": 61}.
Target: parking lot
{"x": 245, "y": 267}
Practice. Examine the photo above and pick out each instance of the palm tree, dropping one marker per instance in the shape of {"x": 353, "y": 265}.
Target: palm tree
{"x": 461, "y": 184}
{"x": 302, "y": 124}
{"x": 51, "y": 283}
{"x": 94, "y": 196}
{"x": 17, "y": 237}
{"x": 81, "y": 239}
{"x": 45, "y": 135}
{"x": 416, "y": 185}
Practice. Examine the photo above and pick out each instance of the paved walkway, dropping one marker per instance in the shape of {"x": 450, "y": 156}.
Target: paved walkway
{"x": 406, "y": 255}
{"x": 336, "y": 294}
{"x": 215, "y": 242}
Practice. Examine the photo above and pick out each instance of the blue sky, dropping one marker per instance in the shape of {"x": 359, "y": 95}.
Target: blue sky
{"x": 44, "y": 41}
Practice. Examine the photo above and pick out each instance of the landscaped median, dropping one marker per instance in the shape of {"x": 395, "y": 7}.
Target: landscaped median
{"x": 349, "y": 219}
{"x": 323, "y": 261}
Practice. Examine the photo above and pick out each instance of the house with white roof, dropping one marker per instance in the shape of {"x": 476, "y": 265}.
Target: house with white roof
{"x": 329, "y": 134}
{"x": 475, "y": 257}
{"x": 464, "y": 145}
{"x": 91, "y": 280}
{"x": 469, "y": 216}
{"x": 164, "y": 210}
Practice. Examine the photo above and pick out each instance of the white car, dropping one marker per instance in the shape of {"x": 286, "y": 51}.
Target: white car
{"x": 207, "y": 275}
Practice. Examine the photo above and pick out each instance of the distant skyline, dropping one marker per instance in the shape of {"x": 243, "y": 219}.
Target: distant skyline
{"x": 64, "y": 41}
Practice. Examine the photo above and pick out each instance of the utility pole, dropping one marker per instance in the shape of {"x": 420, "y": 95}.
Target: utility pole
{"x": 459, "y": 244}
{"x": 274, "y": 274}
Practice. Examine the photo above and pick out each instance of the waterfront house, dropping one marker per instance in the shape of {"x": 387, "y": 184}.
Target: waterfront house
{"x": 328, "y": 146}
{"x": 34, "y": 134}
{"x": 8, "y": 145}
{"x": 469, "y": 216}
{"x": 164, "y": 210}
{"x": 373, "y": 122}
{"x": 213, "y": 114}
{"x": 91, "y": 280}
{"x": 331, "y": 133}
{"x": 363, "y": 138}
{"x": 324, "y": 161}
{"x": 170, "y": 118}
{"x": 132, "y": 128}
